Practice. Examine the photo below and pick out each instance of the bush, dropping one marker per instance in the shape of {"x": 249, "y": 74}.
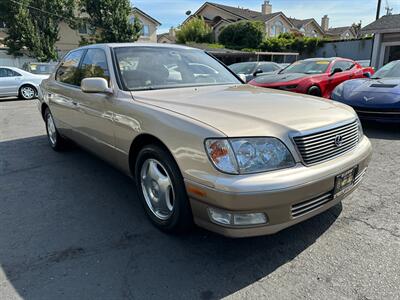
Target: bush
{"x": 292, "y": 42}
{"x": 243, "y": 34}
{"x": 195, "y": 30}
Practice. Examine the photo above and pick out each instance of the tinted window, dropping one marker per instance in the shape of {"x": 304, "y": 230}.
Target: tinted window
{"x": 392, "y": 69}
{"x": 343, "y": 65}
{"x": 145, "y": 68}
{"x": 243, "y": 68}
{"x": 94, "y": 64}
{"x": 68, "y": 71}
{"x": 268, "y": 67}
{"x": 4, "y": 72}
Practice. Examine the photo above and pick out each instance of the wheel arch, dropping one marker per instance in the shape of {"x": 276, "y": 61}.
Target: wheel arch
{"x": 138, "y": 143}
{"x": 43, "y": 107}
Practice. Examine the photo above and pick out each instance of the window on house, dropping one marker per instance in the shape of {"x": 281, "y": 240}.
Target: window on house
{"x": 146, "y": 30}
{"x": 278, "y": 28}
{"x": 85, "y": 29}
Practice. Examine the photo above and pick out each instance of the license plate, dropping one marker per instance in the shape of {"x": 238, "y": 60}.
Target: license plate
{"x": 344, "y": 182}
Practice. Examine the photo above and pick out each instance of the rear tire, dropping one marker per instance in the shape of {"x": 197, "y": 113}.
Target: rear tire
{"x": 314, "y": 91}
{"x": 162, "y": 190}
{"x": 56, "y": 141}
{"x": 27, "y": 92}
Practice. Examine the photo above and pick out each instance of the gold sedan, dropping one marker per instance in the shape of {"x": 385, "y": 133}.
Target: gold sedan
{"x": 202, "y": 146}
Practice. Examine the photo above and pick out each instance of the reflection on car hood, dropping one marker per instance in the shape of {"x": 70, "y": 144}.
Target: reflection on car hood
{"x": 243, "y": 110}
{"x": 273, "y": 78}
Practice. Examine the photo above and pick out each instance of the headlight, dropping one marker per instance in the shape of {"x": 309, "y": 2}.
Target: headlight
{"x": 248, "y": 155}
{"x": 338, "y": 91}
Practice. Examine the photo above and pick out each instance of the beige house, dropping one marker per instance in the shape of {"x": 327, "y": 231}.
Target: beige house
{"x": 218, "y": 15}
{"x": 70, "y": 38}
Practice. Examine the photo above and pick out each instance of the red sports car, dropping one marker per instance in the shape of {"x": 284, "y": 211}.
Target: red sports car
{"x": 314, "y": 76}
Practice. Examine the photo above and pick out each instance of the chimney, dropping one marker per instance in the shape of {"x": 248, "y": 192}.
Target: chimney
{"x": 266, "y": 8}
{"x": 172, "y": 32}
{"x": 325, "y": 23}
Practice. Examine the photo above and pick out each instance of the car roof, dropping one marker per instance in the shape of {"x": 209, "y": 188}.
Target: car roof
{"x": 154, "y": 45}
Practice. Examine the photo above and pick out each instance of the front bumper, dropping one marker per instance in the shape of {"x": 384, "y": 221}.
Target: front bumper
{"x": 281, "y": 195}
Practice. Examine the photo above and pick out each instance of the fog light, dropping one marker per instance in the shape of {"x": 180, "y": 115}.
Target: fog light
{"x": 236, "y": 219}
{"x": 249, "y": 219}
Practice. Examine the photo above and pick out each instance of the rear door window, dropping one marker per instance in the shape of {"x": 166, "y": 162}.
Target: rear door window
{"x": 68, "y": 72}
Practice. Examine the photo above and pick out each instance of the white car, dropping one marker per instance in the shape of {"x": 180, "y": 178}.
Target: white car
{"x": 15, "y": 82}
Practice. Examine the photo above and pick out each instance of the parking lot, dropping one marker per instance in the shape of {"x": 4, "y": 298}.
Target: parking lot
{"x": 73, "y": 228}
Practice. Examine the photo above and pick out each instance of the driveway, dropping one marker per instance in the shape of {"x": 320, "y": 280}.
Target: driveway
{"x": 71, "y": 227}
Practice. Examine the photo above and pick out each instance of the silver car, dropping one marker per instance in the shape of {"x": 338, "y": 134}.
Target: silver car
{"x": 15, "y": 82}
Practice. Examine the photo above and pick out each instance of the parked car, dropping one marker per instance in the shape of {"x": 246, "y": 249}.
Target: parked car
{"x": 364, "y": 62}
{"x": 232, "y": 158}
{"x": 254, "y": 68}
{"x": 40, "y": 68}
{"x": 16, "y": 82}
{"x": 375, "y": 99}
{"x": 314, "y": 76}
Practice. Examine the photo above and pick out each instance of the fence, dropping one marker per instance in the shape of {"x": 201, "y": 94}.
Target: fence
{"x": 354, "y": 49}
{"x": 12, "y": 61}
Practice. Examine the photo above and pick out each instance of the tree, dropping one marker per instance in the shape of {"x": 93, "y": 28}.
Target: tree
{"x": 243, "y": 34}
{"x": 109, "y": 20}
{"x": 34, "y": 25}
{"x": 195, "y": 30}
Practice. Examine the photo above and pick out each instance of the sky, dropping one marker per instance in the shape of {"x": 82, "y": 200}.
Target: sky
{"x": 340, "y": 12}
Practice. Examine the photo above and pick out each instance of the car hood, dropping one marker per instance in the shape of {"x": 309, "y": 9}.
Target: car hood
{"x": 274, "y": 78}
{"x": 372, "y": 92}
{"x": 244, "y": 110}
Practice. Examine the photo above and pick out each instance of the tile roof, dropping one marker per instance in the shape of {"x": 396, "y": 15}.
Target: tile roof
{"x": 244, "y": 13}
{"x": 337, "y": 30}
{"x": 299, "y": 23}
{"x": 384, "y": 23}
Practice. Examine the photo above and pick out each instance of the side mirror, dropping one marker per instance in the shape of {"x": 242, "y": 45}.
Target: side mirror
{"x": 243, "y": 77}
{"x": 367, "y": 74}
{"x": 336, "y": 70}
{"x": 259, "y": 71}
{"x": 95, "y": 85}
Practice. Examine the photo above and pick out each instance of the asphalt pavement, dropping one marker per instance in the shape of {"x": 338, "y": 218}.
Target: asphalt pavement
{"x": 71, "y": 227}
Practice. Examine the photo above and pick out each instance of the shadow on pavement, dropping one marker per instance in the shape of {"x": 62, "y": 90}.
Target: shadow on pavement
{"x": 386, "y": 131}
{"x": 72, "y": 228}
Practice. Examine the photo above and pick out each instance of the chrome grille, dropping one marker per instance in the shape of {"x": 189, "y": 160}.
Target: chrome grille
{"x": 321, "y": 146}
{"x": 305, "y": 207}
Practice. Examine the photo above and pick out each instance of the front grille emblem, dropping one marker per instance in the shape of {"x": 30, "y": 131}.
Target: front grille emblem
{"x": 338, "y": 140}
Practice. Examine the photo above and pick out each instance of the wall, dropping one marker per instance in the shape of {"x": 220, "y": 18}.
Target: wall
{"x": 152, "y": 38}
{"x": 12, "y": 61}
{"x": 357, "y": 50}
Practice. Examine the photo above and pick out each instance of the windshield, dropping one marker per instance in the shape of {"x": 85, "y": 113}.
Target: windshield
{"x": 392, "y": 69}
{"x": 147, "y": 68}
{"x": 41, "y": 69}
{"x": 243, "y": 68}
{"x": 307, "y": 67}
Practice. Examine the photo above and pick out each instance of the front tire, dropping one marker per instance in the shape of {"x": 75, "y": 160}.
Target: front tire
{"x": 56, "y": 141}
{"x": 314, "y": 91}
{"x": 27, "y": 92}
{"x": 161, "y": 190}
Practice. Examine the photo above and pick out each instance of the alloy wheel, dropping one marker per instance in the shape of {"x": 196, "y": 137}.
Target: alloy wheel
{"x": 157, "y": 189}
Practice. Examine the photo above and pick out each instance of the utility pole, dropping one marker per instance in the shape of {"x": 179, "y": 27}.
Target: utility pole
{"x": 378, "y": 9}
